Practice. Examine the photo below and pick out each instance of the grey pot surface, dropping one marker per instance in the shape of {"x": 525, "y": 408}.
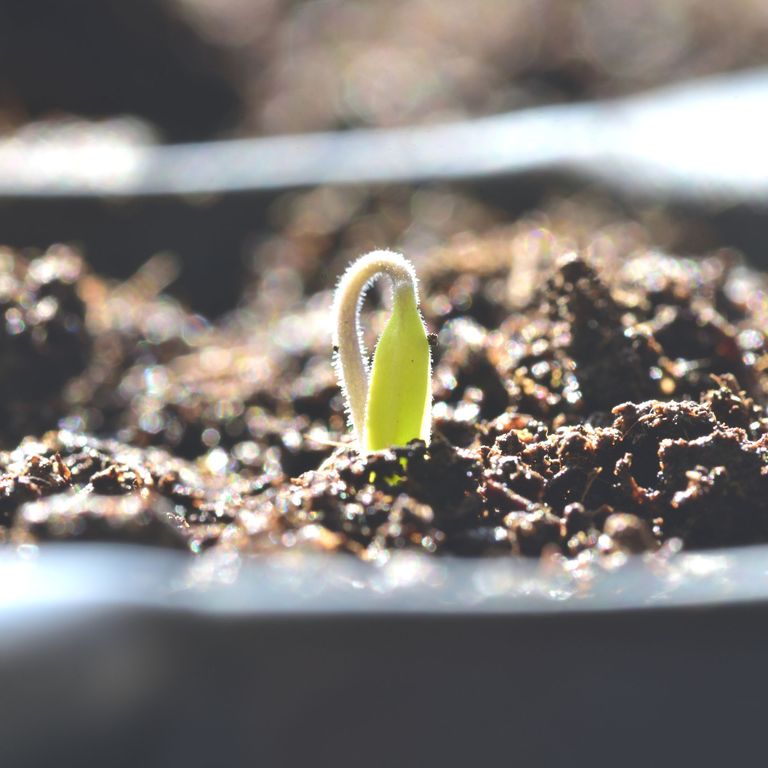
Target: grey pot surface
{"x": 120, "y": 656}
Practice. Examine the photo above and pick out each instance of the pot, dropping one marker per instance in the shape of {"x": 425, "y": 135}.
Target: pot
{"x": 115, "y": 655}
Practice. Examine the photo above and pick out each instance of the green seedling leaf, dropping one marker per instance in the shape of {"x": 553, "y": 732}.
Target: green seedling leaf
{"x": 390, "y": 404}
{"x": 399, "y": 397}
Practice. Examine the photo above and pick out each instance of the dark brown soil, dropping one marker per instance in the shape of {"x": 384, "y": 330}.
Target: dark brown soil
{"x": 588, "y": 403}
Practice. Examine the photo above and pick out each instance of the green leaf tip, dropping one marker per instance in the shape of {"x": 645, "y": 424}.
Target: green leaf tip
{"x": 391, "y": 404}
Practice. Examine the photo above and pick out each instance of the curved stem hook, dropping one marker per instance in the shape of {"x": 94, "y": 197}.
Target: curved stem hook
{"x": 351, "y": 359}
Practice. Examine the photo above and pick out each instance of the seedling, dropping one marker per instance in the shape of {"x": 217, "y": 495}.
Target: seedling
{"x": 390, "y": 404}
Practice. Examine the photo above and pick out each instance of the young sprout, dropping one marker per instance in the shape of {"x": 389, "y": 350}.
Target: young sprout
{"x": 391, "y": 404}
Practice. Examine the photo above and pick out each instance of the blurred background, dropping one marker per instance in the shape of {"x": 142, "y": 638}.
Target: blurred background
{"x": 170, "y": 71}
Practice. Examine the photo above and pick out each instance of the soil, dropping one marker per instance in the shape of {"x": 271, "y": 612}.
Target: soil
{"x": 594, "y": 398}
